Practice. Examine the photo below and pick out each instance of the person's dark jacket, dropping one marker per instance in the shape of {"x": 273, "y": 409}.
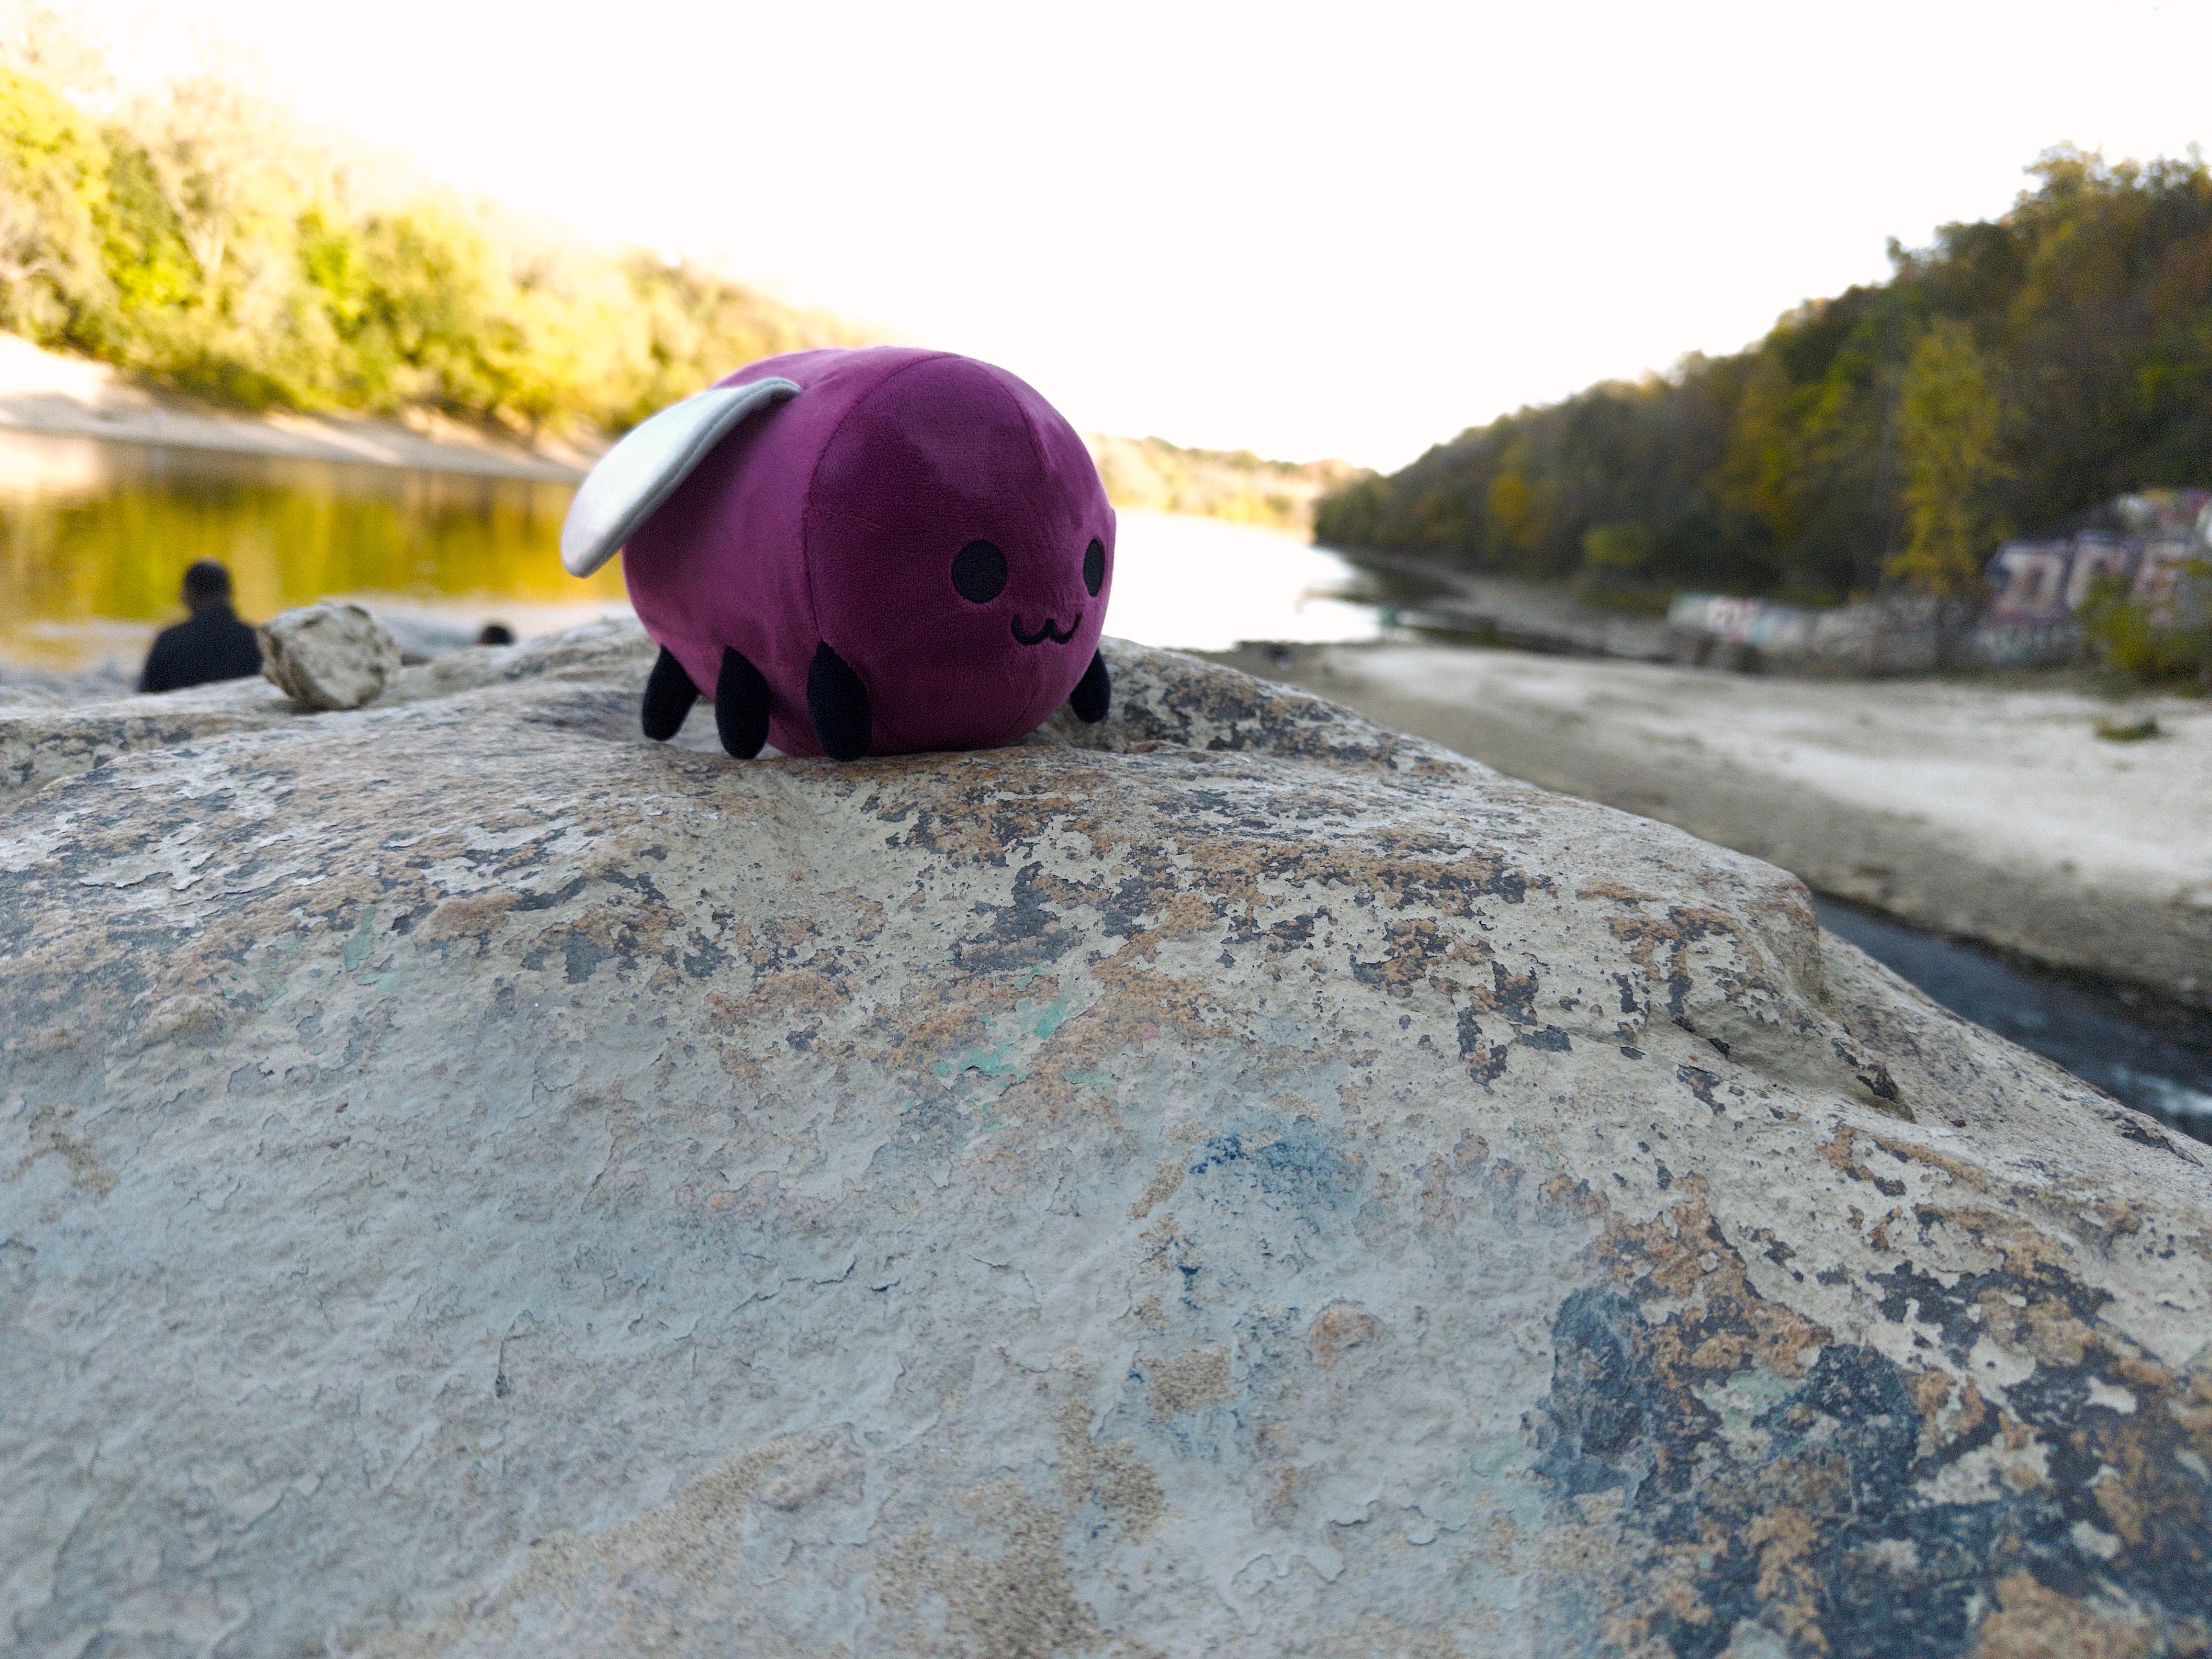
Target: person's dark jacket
{"x": 213, "y": 645}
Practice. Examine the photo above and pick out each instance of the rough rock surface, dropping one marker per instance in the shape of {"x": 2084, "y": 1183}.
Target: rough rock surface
{"x": 1986, "y": 812}
{"x": 1237, "y": 1181}
{"x": 332, "y": 655}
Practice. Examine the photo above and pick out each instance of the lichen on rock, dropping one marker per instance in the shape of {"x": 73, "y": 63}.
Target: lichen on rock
{"x": 1234, "y": 1179}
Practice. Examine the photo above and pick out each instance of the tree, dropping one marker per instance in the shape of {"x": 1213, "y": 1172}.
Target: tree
{"x": 1949, "y": 430}
{"x": 53, "y": 173}
{"x": 2083, "y": 316}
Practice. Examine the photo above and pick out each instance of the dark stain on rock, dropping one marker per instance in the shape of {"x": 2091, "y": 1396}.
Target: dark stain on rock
{"x": 1022, "y": 933}
{"x": 548, "y": 901}
{"x": 1485, "y": 1064}
{"x": 1837, "y": 1524}
{"x": 1298, "y": 1165}
{"x": 1700, "y": 1082}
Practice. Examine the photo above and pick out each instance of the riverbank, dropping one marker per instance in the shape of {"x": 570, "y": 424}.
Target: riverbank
{"x": 43, "y": 390}
{"x": 1430, "y": 593}
{"x": 1992, "y": 813}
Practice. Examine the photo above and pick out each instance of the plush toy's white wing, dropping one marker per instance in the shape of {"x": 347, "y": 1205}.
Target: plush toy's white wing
{"x": 642, "y": 471}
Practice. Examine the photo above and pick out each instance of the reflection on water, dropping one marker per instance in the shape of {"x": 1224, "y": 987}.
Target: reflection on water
{"x": 94, "y": 535}
{"x": 1205, "y": 584}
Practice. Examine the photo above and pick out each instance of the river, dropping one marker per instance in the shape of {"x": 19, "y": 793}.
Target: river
{"x": 94, "y": 534}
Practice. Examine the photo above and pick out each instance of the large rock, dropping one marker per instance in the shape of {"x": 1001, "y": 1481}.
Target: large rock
{"x": 1237, "y": 1181}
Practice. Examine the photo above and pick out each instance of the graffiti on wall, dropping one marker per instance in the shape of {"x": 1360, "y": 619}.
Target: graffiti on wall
{"x": 2156, "y": 546}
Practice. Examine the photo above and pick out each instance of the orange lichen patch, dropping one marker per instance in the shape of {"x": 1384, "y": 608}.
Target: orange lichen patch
{"x": 1181, "y": 915}
{"x": 1878, "y": 1237}
{"x": 2109, "y": 1218}
{"x": 940, "y": 1017}
{"x": 1838, "y": 1149}
{"x": 1141, "y": 1007}
{"x": 45, "y": 1137}
{"x": 2041, "y": 1325}
{"x": 2019, "y": 1245}
{"x": 616, "y": 929}
{"x": 1682, "y": 1601}
{"x": 738, "y": 1063}
{"x": 1186, "y": 1382}
{"x": 1414, "y": 950}
{"x": 2194, "y": 1411}
{"x": 794, "y": 993}
{"x": 1613, "y": 890}
{"x": 1161, "y": 1187}
{"x": 473, "y": 915}
{"x": 2144, "y": 1373}
{"x": 1789, "y": 1581}
{"x": 1018, "y": 1600}
{"x": 1566, "y": 1195}
{"x": 1931, "y": 1392}
{"x": 1973, "y": 1410}
{"x": 2120, "y": 1496}
{"x": 1958, "y": 1168}
{"x": 1681, "y": 1254}
{"x": 1340, "y": 1327}
{"x": 2031, "y": 1622}
{"x": 2055, "y": 1336}
{"x": 1112, "y": 1476}
{"x": 1662, "y": 945}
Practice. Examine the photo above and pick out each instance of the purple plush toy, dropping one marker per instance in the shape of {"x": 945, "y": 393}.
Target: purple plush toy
{"x": 858, "y": 552}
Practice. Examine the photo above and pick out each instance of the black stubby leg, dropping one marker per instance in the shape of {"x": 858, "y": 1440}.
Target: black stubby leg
{"x": 669, "y": 695}
{"x": 1094, "y": 693}
{"x": 838, "y": 703}
{"x": 740, "y": 705}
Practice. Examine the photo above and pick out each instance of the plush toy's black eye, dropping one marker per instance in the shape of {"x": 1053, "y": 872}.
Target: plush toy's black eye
{"x": 978, "y": 571}
{"x": 1094, "y": 565}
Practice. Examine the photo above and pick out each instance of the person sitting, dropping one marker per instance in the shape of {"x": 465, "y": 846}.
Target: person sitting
{"x": 213, "y": 645}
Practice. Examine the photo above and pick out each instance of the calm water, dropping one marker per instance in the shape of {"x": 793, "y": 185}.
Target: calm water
{"x": 94, "y": 535}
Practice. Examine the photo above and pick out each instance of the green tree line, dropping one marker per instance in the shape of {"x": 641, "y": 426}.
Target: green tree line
{"x": 1234, "y": 484}
{"x": 196, "y": 237}
{"x": 2017, "y": 372}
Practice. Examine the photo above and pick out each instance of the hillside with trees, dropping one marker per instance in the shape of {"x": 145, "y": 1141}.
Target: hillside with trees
{"x": 2016, "y": 374}
{"x": 1216, "y": 484}
{"x": 197, "y": 237}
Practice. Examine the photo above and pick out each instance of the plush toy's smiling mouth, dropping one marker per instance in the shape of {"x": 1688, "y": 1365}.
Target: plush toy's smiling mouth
{"x": 1058, "y": 636}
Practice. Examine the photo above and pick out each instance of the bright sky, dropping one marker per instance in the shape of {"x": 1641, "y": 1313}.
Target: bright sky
{"x": 1349, "y": 230}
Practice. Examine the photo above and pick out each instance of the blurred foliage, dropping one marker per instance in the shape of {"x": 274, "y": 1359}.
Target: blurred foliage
{"x": 1947, "y": 428}
{"x": 1216, "y": 484}
{"x": 2017, "y": 371}
{"x": 2149, "y": 644}
{"x": 195, "y": 236}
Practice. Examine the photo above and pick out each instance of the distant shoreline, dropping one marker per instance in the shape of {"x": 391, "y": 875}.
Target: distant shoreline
{"x": 47, "y": 393}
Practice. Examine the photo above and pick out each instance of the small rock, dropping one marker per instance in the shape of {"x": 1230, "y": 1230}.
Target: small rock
{"x": 329, "y": 656}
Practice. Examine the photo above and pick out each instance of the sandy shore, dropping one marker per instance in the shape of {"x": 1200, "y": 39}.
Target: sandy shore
{"x": 44, "y": 392}
{"x": 1993, "y": 813}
